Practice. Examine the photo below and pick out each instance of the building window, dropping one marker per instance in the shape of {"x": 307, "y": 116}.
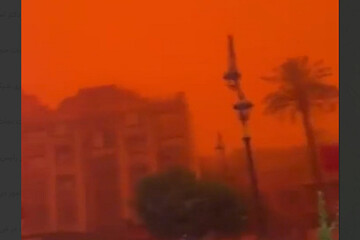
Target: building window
{"x": 136, "y": 143}
{"x": 63, "y": 155}
{"x": 66, "y": 200}
{"x": 109, "y": 138}
{"x": 60, "y": 130}
{"x": 132, "y": 119}
{"x": 35, "y": 137}
{"x": 170, "y": 126}
{"x": 104, "y": 139}
{"x": 38, "y": 202}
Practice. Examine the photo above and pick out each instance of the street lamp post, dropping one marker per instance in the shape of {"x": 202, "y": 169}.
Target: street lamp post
{"x": 243, "y": 108}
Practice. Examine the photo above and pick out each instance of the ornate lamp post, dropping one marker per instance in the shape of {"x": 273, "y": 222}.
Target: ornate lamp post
{"x": 243, "y": 108}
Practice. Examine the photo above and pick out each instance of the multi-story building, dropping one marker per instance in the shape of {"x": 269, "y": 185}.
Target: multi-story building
{"x": 82, "y": 161}
{"x": 35, "y": 174}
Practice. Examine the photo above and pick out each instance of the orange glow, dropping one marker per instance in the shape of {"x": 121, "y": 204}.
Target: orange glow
{"x": 160, "y": 47}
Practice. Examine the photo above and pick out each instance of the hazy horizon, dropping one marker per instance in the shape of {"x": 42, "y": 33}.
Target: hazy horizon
{"x": 161, "y": 48}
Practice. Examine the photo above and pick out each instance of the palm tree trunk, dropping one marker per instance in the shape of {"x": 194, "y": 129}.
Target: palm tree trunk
{"x": 312, "y": 149}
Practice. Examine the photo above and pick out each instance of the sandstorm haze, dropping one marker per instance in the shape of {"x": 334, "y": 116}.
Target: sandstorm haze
{"x": 136, "y": 89}
{"x": 160, "y": 47}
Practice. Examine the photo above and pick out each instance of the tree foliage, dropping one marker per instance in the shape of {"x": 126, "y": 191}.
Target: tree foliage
{"x": 302, "y": 87}
{"x": 174, "y": 203}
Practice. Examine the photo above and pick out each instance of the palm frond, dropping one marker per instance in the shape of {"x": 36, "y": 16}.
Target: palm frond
{"x": 318, "y": 63}
{"x": 325, "y": 106}
{"x": 317, "y": 91}
{"x": 273, "y": 78}
{"x": 293, "y": 114}
{"x": 320, "y": 73}
{"x": 303, "y": 61}
{"x": 301, "y": 83}
{"x": 295, "y": 71}
{"x": 278, "y": 102}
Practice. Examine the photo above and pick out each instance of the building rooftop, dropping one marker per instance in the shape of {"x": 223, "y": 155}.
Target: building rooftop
{"x": 99, "y": 101}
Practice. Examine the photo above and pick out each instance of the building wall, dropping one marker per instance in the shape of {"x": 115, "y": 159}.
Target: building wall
{"x": 36, "y": 175}
{"x": 92, "y": 151}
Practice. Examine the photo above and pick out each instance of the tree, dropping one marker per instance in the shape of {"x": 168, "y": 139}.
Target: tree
{"x": 301, "y": 90}
{"x": 175, "y": 204}
{"x": 325, "y": 229}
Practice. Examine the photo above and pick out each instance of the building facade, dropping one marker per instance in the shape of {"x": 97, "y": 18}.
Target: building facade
{"x": 82, "y": 161}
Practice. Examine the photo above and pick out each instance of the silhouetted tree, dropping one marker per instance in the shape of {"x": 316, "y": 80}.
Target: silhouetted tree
{"x": 175, "y": 204}
{"x": 302, "y": 89}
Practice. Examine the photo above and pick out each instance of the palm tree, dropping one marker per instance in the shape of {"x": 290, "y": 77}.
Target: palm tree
{"x": 301, "y": 90}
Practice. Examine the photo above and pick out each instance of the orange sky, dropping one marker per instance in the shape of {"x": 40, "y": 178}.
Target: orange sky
{"x": 159, "y": 47}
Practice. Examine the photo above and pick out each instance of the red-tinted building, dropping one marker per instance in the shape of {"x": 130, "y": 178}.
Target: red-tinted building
{"x": 330, "y": 157}
{"x": 82, "y": 161}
